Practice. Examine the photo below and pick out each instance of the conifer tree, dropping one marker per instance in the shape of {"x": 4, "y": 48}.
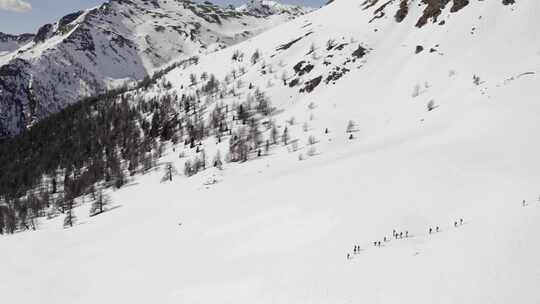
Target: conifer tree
{"x": 99, "y": 204}
{"x": 170, "y": 171}
{"x": 69, "y": 219}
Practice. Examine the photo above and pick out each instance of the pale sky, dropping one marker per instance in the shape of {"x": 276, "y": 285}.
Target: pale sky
{"x": 26, "y": 16}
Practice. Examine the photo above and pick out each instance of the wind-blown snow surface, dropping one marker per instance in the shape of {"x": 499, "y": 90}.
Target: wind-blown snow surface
{"x": 277, "y": 230}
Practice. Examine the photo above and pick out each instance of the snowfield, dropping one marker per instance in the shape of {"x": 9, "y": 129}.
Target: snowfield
{"x": 278, "y": 228}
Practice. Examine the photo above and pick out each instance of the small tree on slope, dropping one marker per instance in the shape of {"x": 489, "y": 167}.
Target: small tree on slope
{"x": 99, "y": 204}
{"x": 70, "y": 218}
{"x": 170, "y": 171}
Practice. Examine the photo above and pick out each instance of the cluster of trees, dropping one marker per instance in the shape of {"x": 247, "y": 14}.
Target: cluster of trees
{"x": 248, "y": 137}
{"x": 106, "y": 139}
{"x": 102, "y": 139}
{"x": 64, "y": 155}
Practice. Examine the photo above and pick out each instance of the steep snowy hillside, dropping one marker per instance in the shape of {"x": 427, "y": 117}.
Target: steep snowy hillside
{"x": 319, "y": 136}
{"x": 122, "y": 40}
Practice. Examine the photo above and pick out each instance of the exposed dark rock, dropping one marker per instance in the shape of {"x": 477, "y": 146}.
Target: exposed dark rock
{"x": 67, "y": 19}
{"x": 379, "y": 12}
{"x": 432, "y": 11}
{"x": 302, "y": 68}
{"x": 341, "y": 46}
{"x": 402, "y": 11}
{"x": 310, "y": 85}
{"x": 43, "y": 33}
{"x": 359, "y": 52}
{"x": 336, "y": 74}
{"x": 458, "y": 4}
{"x": 294, "y": 82}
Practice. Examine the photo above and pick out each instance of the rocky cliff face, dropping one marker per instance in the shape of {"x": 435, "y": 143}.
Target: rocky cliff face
{"x": 87, "y": 52}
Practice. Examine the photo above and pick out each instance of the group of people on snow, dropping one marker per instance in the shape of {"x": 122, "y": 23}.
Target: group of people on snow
{"x": 456, "y": 223}
{"x": 400, "y": 235}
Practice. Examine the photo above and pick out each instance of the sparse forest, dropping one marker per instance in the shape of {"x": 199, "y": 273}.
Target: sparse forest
{"x": 101, "y": 142}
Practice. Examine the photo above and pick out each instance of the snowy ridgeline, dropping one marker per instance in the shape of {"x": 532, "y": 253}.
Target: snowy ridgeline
{"x": 327, "y": 132}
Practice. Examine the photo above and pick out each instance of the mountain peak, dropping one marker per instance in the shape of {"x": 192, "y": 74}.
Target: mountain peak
{"x": 269, "y": 7}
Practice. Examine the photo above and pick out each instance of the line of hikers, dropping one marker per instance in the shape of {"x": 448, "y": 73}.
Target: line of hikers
{"x": 396, "y": 236}
{"x": 401, "y": 235}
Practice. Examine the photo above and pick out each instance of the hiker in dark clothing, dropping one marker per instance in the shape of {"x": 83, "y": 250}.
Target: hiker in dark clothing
{"x": 430, "y": 230}
{"x": 437, "y": 229}
{"x": 455, "y": 224}
{"x": 406, "y": 234}
{"x": 461, "y": 221}
{"x": 401, "y": 235}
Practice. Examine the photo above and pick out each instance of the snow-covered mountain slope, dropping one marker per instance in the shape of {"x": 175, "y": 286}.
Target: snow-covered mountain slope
{"x": 445, "y": 120}
{"x": 122, "y": 40}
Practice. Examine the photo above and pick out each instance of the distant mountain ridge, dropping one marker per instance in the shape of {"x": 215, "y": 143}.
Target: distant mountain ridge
{"x": 89, "y": 51}
{"x": 268, "y": 7}
{"x": 9, "y": 43}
